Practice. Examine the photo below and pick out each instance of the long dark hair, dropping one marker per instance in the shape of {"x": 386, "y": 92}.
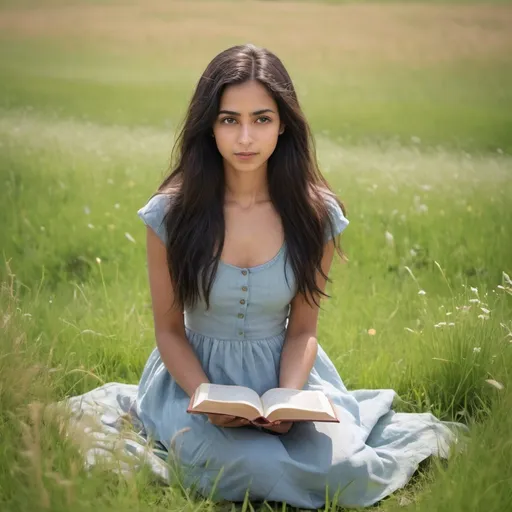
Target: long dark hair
{"x": 195, "y": 221}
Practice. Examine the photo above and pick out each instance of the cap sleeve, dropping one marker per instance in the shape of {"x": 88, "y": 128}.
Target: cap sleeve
{"x": 339, "y": 221}
{"x": 153, "y": 212}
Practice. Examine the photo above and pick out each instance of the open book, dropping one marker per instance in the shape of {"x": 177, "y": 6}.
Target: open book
{"x": 276, "y": 404}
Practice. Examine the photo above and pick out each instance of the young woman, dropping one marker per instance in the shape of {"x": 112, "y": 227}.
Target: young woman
{"x": 240, "y": 240}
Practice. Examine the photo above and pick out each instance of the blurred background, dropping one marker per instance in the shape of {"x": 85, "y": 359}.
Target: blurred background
{"x": 410, "y": 103}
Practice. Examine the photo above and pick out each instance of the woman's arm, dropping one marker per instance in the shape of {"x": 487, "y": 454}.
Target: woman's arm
{"x": 300, "y": 346}
{"x": 175, "y": 350}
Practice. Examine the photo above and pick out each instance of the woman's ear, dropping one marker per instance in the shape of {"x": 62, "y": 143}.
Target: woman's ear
{"x": 281, "y": 130}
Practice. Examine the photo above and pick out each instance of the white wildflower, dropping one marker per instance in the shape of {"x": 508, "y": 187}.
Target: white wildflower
{"x": 390, "y": 240}
{"x": 474, "y": 290}
{"x": 129, "y": 237}
{"x": 451, "y": 324}
{"x": 90, "y": 226}
{"x": 422, "y": 292}
{"x": 448, "y": 313}
{"x": 440, "y": 324}
{"x": 483, "y": 317}
{"x": 117, "y": 206}
{"x": 477, "y": 350}
{"x": 495, "y": 383}
{"x": 98, "y": 260}
{"x": 485, "y": 310}
{"x": 474, "y": 301}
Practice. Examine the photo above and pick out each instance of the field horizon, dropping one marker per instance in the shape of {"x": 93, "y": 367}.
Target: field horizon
{"x": 410, "y": 106}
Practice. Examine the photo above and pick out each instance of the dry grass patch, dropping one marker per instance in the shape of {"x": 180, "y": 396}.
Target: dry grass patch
{"x": 326, "y": 33}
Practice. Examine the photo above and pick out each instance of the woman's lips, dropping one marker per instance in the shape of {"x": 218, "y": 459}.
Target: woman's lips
{"x": 245, "y": 156}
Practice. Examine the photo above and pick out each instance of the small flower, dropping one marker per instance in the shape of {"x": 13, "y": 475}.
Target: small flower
{"x": 451, "y": 324}
{"x": 440, "y": 324}
{"x": 87, "y": 210}
{"x": 495, "y": 383}
{"x": 474, "y": 290}
{"x": 485, "y": 310}
{"x": 483, "y": 317}
{"x": 422, "y": 292}
{"x": 90, "y": 226}
{"x": 448, "y": 313}
{"x": 372, "y": 332}
{"x": 117, "y": 206}
{"x": 474, "y": 301}
{"x": 129, "y": 237}
{"x": 390, "y": 240}
{"x": 477, "y": 350}
{"x": 98, "y": 261}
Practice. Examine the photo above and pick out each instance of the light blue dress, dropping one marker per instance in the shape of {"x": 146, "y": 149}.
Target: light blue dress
{"x": 372, "y": 451}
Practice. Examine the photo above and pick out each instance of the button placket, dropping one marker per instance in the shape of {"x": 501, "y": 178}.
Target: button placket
{"x": 242, "y": 310}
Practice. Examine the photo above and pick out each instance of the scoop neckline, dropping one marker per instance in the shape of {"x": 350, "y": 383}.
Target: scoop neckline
{"x": 257, "y": 267}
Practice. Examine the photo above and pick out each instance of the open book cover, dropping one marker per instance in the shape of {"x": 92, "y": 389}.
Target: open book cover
{"x": 278, "y": 404}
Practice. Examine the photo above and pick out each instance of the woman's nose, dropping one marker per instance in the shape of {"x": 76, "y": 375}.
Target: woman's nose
{"x": 244, "y": 136}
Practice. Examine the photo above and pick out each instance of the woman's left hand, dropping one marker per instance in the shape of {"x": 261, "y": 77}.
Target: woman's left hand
{"x": 280, "y": 427}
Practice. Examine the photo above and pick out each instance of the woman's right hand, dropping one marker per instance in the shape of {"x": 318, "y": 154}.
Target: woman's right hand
{"x": 223, "y": 420}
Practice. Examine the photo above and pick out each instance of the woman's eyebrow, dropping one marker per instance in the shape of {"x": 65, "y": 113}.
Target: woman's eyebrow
{"x": 256, "y": 113}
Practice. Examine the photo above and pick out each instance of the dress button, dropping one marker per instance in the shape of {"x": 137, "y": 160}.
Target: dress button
{"x": 240, "y": 315}
{"x": 244, "y": 288}
{"x": 242, "y": 301}
{"x": 244, "y": 272}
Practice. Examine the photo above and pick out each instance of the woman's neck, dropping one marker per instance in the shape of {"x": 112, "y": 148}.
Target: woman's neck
{"x": 246, "y": 189}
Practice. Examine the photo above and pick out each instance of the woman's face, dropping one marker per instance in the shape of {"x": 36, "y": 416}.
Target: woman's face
{"x": 248, "y": 122}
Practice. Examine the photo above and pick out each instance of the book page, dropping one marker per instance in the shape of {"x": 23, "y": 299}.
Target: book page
{"x": 211, "y": 394}
{"x": 297, "y": 403}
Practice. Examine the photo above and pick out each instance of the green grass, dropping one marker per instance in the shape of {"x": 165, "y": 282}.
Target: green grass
{"x": 462, "y": 106}
{"x": 419, "y": 153}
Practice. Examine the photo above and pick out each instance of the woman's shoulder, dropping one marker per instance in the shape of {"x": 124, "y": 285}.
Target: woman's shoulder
{"x": 154, "y": 211}
{"x": 337, "y": 219}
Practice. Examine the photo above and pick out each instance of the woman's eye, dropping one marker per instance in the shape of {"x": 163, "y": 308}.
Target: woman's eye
{"x": 261, "y": 120}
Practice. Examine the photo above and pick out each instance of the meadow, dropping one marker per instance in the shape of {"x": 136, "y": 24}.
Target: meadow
{"x": 411, "y": 108}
